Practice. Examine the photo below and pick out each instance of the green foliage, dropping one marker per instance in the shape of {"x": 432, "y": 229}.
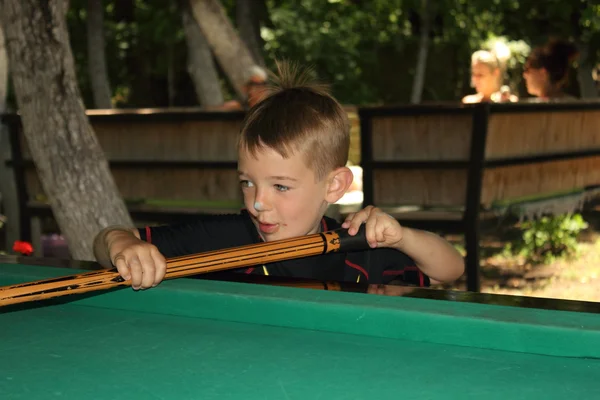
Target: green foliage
{"x": 340, "y": 39}
{"x": 144, "y": 40}
{"x": 548, "y": 238}
{"x": 366, "y": 49}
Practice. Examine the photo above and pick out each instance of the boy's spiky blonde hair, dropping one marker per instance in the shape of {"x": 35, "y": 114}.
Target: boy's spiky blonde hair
{"x": 299, "y": 115}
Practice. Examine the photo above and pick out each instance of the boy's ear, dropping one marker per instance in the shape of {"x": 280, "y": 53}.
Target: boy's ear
{"x": 339, "y": 181}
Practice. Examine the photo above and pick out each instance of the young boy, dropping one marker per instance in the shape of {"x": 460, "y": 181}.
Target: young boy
{"x": 293, "y": 151}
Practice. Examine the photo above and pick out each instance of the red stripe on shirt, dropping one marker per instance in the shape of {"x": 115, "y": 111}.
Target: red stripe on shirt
{"x": 388, "y": 272}
{"x": 358, "y": 267}
{"x": 249, "y": 270}
{"x": 400, "y": 272}
{"x": 324, "y": 224}
{"x": 148, "y": 234}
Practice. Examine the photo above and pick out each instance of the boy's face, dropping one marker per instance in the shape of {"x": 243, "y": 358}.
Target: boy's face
{"x": 281, "y": 194}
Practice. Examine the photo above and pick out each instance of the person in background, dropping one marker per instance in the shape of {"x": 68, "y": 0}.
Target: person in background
{"x": 547, "y": 69}
{"x": 254, "y": 89}
{"x": 487, "y": 72}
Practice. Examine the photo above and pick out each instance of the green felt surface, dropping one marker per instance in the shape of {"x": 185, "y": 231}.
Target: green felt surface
{"x": 192, "y": 339}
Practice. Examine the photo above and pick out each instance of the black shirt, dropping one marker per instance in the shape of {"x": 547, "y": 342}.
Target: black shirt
{"x": 218, "y": 232}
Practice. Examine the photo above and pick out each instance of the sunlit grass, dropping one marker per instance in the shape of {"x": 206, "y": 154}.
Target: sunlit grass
{"x": 575, "y": 278}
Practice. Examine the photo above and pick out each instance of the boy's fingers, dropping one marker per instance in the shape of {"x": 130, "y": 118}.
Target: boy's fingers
{"x": 136, "y": 272}
{"x": 385, "y": 221}
{"x": 352, "y": 224}
{"x": 370, "y": 232}
{"x": 122, "y": 267}
{"x": 360, "y": 218}
{"x": 160, "y": 266}
{"x": 144, "y": 266}
{"x": 148, "y": 270}
{"x": 354, "y": 220}
{"x": 355, "y": 226}
{"x": 349, "y": 218}
{"x": 382, "y": 225}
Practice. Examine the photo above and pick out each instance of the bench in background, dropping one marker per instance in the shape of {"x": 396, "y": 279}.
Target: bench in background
{"x": 167, "y": 164}
{"x": 447, "y": 168}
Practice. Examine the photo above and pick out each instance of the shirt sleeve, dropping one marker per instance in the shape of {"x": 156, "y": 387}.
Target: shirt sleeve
{"x": 395, "y": 266}
{"x": 205, "y": 233}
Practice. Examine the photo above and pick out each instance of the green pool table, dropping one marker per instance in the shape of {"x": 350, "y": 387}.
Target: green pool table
{"x": 208, "y": 339}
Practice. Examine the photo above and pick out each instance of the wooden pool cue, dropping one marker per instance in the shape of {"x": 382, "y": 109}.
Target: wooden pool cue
{"x": 236, "y": 257}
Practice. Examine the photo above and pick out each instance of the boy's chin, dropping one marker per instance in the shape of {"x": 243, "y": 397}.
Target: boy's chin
{"x": 279, "y": 235}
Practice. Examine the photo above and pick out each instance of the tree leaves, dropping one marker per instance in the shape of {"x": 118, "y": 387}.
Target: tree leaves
{"x": 366, "y": 49}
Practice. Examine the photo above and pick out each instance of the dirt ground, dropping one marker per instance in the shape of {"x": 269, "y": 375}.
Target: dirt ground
{"x": 577, "y": 278}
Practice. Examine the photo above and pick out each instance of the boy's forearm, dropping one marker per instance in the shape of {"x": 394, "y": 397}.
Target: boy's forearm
{"x": 437, "y": 258}
{"x": 103, "y": 240}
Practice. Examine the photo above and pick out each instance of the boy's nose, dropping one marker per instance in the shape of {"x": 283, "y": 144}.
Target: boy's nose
{"x": 261, "y": 202}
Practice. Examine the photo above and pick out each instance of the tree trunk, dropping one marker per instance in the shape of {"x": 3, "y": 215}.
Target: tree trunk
{"x": 171, "y": 90}
{"x": 417, "y": 89}
{"x": 3, "y": 72}
{"x": 233, "y": 56}
{"x": 248, "y": 23}
{"x": 96, "y": 55}
{"x": 70, "y": 163}
{"x": 587, "y": 85}
{"x": 201, "y": 65}
{"x": 8, "y": 187}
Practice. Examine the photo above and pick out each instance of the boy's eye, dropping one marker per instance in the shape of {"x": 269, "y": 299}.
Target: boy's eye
{"x": 246, "y": 183}
{"x": 282, "y": 188}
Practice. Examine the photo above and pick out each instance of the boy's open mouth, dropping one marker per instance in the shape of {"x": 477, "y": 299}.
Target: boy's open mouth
{"x": 267, "y": 228}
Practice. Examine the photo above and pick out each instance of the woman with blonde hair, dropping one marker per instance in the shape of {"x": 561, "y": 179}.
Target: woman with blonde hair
{"x": 487, "y": 76}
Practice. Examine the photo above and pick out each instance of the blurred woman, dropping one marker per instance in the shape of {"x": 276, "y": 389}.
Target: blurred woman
{"x": 547, "y": 69}
{"x": 487, "y": 76}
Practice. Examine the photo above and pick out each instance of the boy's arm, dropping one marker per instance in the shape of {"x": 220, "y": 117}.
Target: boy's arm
{"x": 140, "y": 255}
{"x": 433, "y": 255}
